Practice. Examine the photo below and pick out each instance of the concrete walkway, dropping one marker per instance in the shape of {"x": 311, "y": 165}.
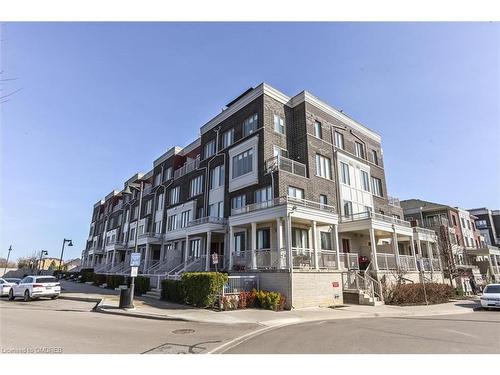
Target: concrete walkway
{"x": 146, "y": 307}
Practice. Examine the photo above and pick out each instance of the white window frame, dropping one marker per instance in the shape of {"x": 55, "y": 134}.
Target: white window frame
{"x": 228, "y": 138}
{"x": 174, "y": 195}
{"x": 345, "y": 177}
{"x": 209, "y": 149}
{"x": 217, "y": 176}
{"x": 377, "y": 187}
{"x": 318, "y": 129}
{"x": 359, "y": 149}
{"x": 263, "y": 195}
{"x": 323, "y": 167}
{"x": 279, "y": 124}
{"x": 292, "y": 192}
{"x": 365, "y": 181}
{"x": 249, "y": 154}
{"x": 196, "y": 186}
{"x": 238, "y": 201}
{"x": 254, "y": 119}
{"x": 339, "y": 140}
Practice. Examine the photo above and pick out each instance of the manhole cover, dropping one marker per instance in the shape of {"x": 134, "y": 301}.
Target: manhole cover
{"x": 183, "y": 331}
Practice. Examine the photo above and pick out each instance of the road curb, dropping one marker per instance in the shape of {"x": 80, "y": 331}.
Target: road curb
{"x": 83, "y": 299}
{"x": 138, "y": 315}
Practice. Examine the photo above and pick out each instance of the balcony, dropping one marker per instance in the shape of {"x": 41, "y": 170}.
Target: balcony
{"x": 187, "y": 168}
{"x": 284, "y": 164}
{"x": 374, "y": 216}
{"x": 393, "y": 201}
{"x": 207, "y": 219}
{"x": 283, "y": 201}
{"x": 433, "y": 222}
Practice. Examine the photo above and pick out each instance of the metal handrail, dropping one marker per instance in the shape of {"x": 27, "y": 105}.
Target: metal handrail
{"x": 187, "y": 168}
{"x": 208, "y": 219}
{"x": 288, "y": 165}
{"x": 374, "y": 215}
{"x": 280, "y": 201}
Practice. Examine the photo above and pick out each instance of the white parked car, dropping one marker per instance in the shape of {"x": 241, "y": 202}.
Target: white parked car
{"x": 32, "y": 287}
{"x": 5, "y": 285}
{"x": 491, "y": 296}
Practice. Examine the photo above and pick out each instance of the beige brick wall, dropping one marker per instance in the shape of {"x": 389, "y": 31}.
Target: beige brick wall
{"x": 314, "y": 288}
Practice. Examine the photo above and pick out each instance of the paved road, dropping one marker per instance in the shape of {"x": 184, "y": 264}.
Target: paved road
{"x": 475, "y": 332}
{"x": 72, "y": 327}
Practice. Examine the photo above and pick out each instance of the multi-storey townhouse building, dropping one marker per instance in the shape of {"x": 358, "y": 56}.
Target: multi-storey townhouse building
{"x": 286, "y": 189}
{"x": 487, "y": 225}
{"x": 465, "y": 253}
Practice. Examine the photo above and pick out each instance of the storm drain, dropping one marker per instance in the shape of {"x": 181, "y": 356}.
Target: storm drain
{"x": 184, "y": 331}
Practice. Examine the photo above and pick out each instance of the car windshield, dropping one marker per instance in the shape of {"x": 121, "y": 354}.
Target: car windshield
{"x": 44, "y": 280}
{"x": 492, "y": 289}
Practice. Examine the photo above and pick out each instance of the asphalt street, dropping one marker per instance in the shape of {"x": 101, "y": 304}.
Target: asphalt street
{"x": 475, "y": 332}
{"x": 68, "y": 327}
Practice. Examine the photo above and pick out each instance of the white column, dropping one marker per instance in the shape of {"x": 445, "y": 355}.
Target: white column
{"x": 113, "y": 258}
{"x": 335, "y": 240}
{"x": 395, "y": 247}
{"x": 231, "y": 247}
{"x": 419, "y": 247}
{"x": 146, "y": 259}
{"x": 315, "y": 245}
{"x": 412, "y": 247}
{"x": 207, "y": 251}
{"x": 253, "y": 244}
{"x": 279, "y": 242}
{"x": 496, "y": 264}
{"x": 186, "y": 250}
{"x": 431, "y": 255}
{"x": 162, "y": 253}
{"x": 373, "y": 245}
{"x": 288, "y": 229}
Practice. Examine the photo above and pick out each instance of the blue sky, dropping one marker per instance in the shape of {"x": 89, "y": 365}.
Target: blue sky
{"x": 92, "y": 95}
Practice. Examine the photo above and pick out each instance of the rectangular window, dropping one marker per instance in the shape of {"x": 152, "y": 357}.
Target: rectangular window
{"x": 347, "y": 208}
{"x": 263, "y": 238}
{"x": 217, "y": 176}
{"x": 158, "y": 226}
{"x": 136, "y": 212}
{"x": 157, "y": 179}
{"x": 279, "y": 124}
{"x": 185, "y": 218}
{"x": 239, "y": 242}
{"x": 167, "y": 173}
{"x": 323, "y": 166}
{"x": 250, "y": 125}
{"x": 300, "y": 238}
{"x": 174, "y": 195}
{"x": 344, "y": 173}
{"x": 468, "y": 224}
{"x": 375, "y": 157}
{"x": 196, "y": 186}
{"x": 365, "y": 180}
{"x": 463, "y": 222}
{"x": 194, "y": 248}
{"x": 216, "y": 209}
{"x": 239, "y": 201}
{"x": 339, "y": 140}
{"x": 295, "y": 192}
{"x": 172, "y": 222}
{"x": 263, "y": 195}
{"x": 159, "y": 202}
{"x": 227, "y": 138}
{"x": 243, "y": 163}
{"x": 278, "y": 151}
{"x": 318, "y": 131}
{"x": 209, "y": 149}
{"x": 377, "y": 187}
{"x": 360, "y": 150}
{"x": 323, "y": 200}
{"x": 132, "y": 234}
{"x": 326, "y": 241}
{"x": 148, "y": 207}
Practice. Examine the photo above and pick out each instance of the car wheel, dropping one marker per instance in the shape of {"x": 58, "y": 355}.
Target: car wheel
{"x": 11, "y": 295}
{"x": 54, "y": 297}
{"x": 26, "y": 295}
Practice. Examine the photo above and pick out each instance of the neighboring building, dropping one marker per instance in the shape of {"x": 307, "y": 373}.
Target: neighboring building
{"x": 488, "y": 223}
{"x": 462, "y": 246}
{"x": 72, "y": 264}
{"x": 286, "y": 189}
{"x": 47, "y": 264}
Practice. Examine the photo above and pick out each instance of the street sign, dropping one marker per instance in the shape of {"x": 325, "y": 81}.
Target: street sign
{"x": 335, "y": 284}
{"x": 133, "y": 271}
{"x": 215, "y": 258}
{"x": 135, "y": 259}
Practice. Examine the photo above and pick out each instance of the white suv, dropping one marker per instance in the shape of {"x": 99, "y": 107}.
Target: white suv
{"x": 32, "y": 287}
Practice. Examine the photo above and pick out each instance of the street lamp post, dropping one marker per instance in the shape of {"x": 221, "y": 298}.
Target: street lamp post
{"x": 7, "y": 262}
{"x": 62, "y": 252}
{"x": 140, "y": 188}
{"x": 42, "y": 253}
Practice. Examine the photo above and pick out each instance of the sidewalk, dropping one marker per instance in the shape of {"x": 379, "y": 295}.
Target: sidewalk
{"x": 146, "y": 307}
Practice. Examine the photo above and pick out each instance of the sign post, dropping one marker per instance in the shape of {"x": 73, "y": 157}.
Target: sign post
{"x": 215, "y": 260}
{"x": 336, "y": 295}
{"x": 135, "y": 262}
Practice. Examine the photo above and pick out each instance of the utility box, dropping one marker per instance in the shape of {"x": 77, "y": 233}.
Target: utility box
{"x": 125, "y": 302}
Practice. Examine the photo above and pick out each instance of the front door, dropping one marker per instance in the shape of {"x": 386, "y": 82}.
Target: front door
{"x": 346, "y": 245}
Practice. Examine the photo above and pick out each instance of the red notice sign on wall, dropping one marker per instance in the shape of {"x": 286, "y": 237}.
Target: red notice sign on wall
{"x": 335, "y": 284}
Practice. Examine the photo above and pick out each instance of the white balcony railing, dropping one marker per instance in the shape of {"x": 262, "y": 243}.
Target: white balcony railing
{"x": 327, "y": 259}
{"x": 349, "y": 261}
{"x": 187, "y": 168}
{"x": 407, "y": 263}
{"x": 426, "y": 231}
{"x": 288, "y": 165}
{"x": 280, "y": 201}
{"x": 375, "y": 216}
{"x": 386, "y": 261}
{"x": 207, "y": 219}
{"x": 393, "y": 201}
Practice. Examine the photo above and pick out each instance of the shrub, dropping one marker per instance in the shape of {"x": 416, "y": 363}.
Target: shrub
{"x": 413, "y": 294}
{"x": 141, "y": 285}
{"x": 114, "y": 281}
{"x": 246, "y": 299}
{"x": 98, "y": 279}
{"x": 86, "y": 274}
{"x": 202, "y": 288}
{"x": 268, "y": 300}
{"x": 172, "y": 290}
{"x": 230, "y": 302}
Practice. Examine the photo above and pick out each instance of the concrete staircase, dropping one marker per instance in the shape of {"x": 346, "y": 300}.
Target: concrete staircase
{"x": 153, "y": 293}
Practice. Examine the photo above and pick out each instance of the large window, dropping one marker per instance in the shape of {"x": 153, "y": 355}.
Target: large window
{"x": 339, "y": 140}
{"x": 185, "y": 218}
{"x": 157, "y": 179}
{"x": 344, "y": 173}
{"x": 326, "y": 241}
{"x": 347, "y": 208}
{"x": 159, "y": 202}
{"x": 360, "y": 150}
{"x": 148, "y": 207}
{"x": 295, "y": 192}
{"x": 365, "y": 180}
{"x": 216, "y": 209}
{"x": 300, "y": 238}
{"x": 279, "y": 124}
{"x": 278, "y": 151}
{"x": 238, "y": 202}
{"x": 263, "y": 238}
{"x": 172, "y": 222}
{"x": 194, "y": 248}
{"x": 167, "y": 173}
{"x": 196, "y": 186}
{"x": 209, "y": 149}
{"x": 227, "y": 138}
{"x": 157, "y": 228}
{"x": 242, "y": 163}
{"x": 216, "y": 176}
{"x": 377, "y": 187}
{"x": 375, "y": 157}
{"x": 323, "y": 200}
{"x": 239, "y": 242}
{"x": 318, "y": 131}
{"x": 323, "y": 166}
{"x": 174, "y": 195}
{"x": 250, "y": 125}
{"x": 263, "y": 195}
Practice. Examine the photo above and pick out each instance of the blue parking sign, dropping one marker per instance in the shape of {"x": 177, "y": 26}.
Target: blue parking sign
{"x": 135, "y": 259}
